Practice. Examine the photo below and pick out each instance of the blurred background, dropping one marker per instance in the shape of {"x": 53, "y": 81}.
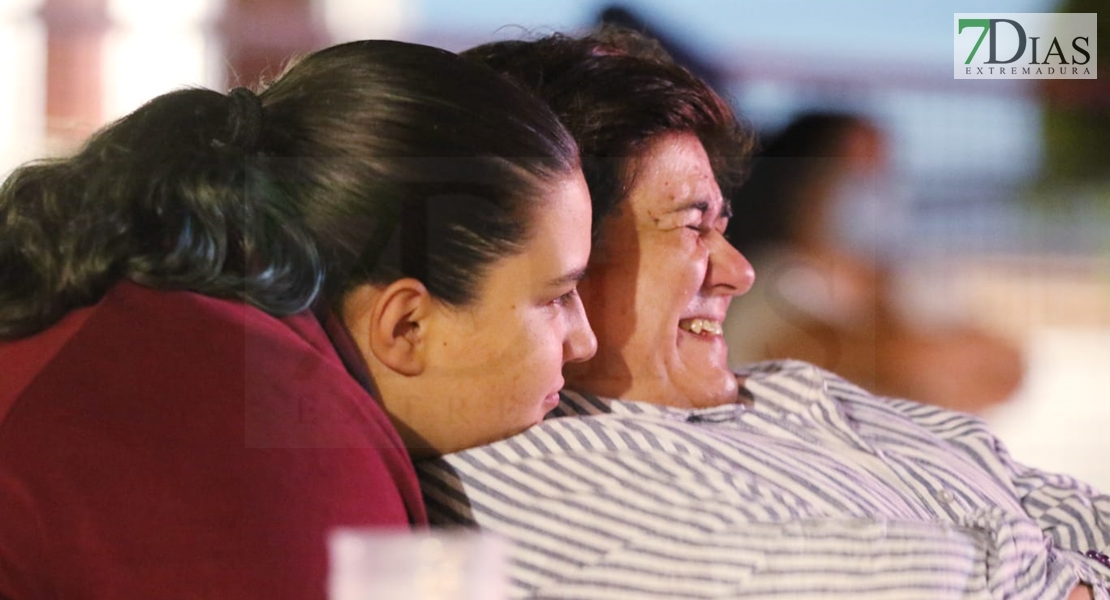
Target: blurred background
{"x": 1000, "y": 200}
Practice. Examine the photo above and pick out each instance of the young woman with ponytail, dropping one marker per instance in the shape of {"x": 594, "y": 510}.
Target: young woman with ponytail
{"x": 228, "y": 321}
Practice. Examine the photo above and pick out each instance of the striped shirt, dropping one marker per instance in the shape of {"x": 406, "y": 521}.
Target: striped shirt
{"x": 817, "y": 489}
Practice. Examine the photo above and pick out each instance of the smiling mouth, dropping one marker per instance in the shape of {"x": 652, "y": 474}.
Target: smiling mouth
{"x": 702, "y": 327}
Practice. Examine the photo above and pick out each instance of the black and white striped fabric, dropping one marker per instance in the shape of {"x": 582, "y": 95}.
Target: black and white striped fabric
{"x": 816, "y": 490}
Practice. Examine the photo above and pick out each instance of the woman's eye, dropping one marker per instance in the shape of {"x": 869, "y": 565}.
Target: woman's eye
{"x": 565, "y": 298}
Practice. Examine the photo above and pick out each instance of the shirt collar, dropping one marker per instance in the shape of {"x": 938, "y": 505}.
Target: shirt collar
{"x": 347, "y": 350}
{"x": 572, "y": 403}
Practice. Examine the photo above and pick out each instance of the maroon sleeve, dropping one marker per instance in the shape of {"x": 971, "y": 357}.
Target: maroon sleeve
{"x": 178, "y": 446}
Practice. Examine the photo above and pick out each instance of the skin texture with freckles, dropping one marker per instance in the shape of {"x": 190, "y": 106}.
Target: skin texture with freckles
{"x": 662, "y": 263}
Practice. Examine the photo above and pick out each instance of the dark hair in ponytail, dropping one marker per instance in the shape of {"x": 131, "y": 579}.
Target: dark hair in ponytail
{"x": 363, "y": 162}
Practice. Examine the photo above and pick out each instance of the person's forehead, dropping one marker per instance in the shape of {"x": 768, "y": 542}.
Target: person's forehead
{"x": 673, "y": 172}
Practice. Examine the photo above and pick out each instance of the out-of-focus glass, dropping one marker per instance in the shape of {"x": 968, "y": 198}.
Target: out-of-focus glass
{"x": 369, "y": 564}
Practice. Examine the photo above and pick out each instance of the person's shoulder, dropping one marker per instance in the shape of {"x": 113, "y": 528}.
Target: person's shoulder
{"x": 788, "y": 377}
{"x": 794, "y": 384}
{"x": 207, "y": 329}
{"x": 175, "y": 361}
{"x": 784, "y": 370}
{"x": 151, "y": 348}
{"x": 153, "y": 311}
{"x": 579, "y": 432}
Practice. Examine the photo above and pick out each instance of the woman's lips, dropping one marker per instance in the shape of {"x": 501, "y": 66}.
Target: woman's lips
{"x": 551, "y": 401}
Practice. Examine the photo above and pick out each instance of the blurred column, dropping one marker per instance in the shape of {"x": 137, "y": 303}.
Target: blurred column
{"x": 23, "y": 99}
{"x": 157, "y": 47}
{"x": 259, "y": 37}
{"x": 74, "y": 39}
{"x": 348, "y": 20}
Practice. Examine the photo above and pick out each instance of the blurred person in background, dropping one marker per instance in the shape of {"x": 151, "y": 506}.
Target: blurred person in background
{"x": 821, "y": 226}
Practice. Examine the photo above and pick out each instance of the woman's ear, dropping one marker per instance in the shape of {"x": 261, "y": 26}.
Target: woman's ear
{"x": 390, "y": 323}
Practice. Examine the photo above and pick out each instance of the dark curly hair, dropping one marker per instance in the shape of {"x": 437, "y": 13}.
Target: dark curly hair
{"x": 366, "y": 161}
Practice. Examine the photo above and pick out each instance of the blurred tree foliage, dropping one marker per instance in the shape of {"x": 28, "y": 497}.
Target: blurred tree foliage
{"x": 1077, "y": 114}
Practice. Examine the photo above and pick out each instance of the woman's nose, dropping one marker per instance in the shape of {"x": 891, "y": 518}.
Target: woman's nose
{"x": 729, "y": 271}
{"x": 581, "y": 343}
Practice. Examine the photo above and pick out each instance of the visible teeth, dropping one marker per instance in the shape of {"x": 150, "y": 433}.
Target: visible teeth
{"x": 699, "y": 326}
{"x": 712, "y": 327}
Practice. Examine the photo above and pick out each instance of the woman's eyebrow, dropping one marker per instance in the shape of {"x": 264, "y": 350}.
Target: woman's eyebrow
{"x": 572, "y": 277}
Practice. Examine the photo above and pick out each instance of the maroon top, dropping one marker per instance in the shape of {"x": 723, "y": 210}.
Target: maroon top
{"x": 170, "y": 445}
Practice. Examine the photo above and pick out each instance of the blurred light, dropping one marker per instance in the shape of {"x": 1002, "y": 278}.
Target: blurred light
{"x": 349, "y": 20}
{"x": 23, "y": 101}
{"x": 157, "y": 47}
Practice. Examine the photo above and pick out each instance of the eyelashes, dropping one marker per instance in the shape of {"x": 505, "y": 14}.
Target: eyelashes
{"x": 566, "y": 298}
{"x": 704, "y": 229}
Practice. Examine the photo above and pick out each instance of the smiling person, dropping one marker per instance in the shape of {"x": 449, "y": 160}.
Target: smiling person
{"x": 662, "y": 280}
{"x": 229, "y": 320}
{"x": 664, "y": 475}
